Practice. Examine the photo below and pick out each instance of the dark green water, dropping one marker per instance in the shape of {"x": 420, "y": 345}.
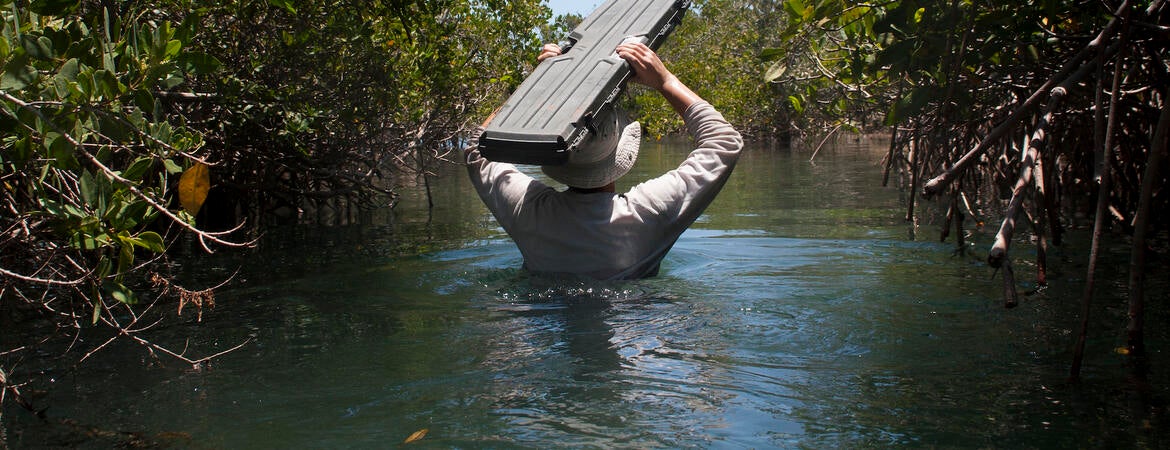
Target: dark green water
{"x": 800, "y": 311}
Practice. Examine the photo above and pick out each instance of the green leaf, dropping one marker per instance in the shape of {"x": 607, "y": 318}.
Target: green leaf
{"x": 770, "y": 54}
{"x": 125, "y": 255}
{"x": 38, "y": 47}
{"x": 97, "y": 309}
{"x": 107, "y": 86}
{"x": 797, "y": 106}
{"x": 90, "y": 190}
{"x": 113, "y": 128}
{"x": 104, "y": 267}
{"x": 85, "y": 82}
{"x": 796, "y": 9}
{"x": 130, "y": 216}
{"x": 83, "y": 241}
{"x": 104, "y": 154}
{"x": 151, "y": 241}
{"x": 22, "y": 149}
{"x": 286, "y": 4}
{"x": 53, "y": 7}
{"x": 18, "y": 74}
{"x": 198, "y": 63}
{"x": 138, "y": 168}
{"x": 61, "y": 150}
{"x": 172, "y": 167}
{"x": 66, "y": 79}
{"x": 776, "y": 71}
{"x": 120, "y": 292}
{"x": 191, "y": 25}
{"x": 69, "y": 70}
{"x": 910, "y": 105}
{"x": 144, "y": 100}
{"x": 171, "y": 82}
{"x": 174, "y": 46}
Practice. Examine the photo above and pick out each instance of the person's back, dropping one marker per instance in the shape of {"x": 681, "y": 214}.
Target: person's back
{"x": 589, "y": 229}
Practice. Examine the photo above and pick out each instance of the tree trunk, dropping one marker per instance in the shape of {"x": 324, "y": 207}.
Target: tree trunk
{"x": 1137, "y": 262}
{"x": 1099, "y": 216}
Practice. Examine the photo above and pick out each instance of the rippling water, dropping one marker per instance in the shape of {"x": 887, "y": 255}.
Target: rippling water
{"x": 801, "y": 311}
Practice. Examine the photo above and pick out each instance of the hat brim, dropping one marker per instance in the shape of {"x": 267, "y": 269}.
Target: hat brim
{"x": 606, "y": 170}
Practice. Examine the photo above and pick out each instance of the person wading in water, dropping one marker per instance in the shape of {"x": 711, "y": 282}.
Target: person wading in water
{"x": 590, "y": 229}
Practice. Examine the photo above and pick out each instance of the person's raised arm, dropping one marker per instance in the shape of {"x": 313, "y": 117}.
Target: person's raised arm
{"x": 649, "y": 71}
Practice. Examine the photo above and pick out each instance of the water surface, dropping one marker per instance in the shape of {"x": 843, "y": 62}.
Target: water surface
{"x": 800, "y": 311}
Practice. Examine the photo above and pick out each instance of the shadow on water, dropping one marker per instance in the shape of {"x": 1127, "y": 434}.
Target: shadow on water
{"x": 798, "y": 312}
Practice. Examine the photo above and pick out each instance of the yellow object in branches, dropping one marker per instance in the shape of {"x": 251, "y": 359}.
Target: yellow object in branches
{"x": 193, "y": 187}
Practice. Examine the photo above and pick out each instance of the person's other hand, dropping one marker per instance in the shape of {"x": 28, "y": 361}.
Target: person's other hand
{"x": 549, "y": 51}
{"x": 648, "y": 68}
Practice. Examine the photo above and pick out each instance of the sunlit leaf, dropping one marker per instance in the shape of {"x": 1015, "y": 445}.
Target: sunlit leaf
{"x": 173, "y": 48}
{"x": 172, "y": 167}
{"x": 776, "y": 71}
{"x": 151, "y": 241}
{"x": 797, "y": 106}
{"x": 193, "y": 187}
{"x": 796, "y": 9}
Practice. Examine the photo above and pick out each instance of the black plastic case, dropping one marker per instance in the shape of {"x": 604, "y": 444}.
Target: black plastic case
{"x": 550, "y": 114}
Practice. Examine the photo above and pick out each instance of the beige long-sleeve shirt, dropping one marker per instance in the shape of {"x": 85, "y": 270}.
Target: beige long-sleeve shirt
{"x": 609, "y": 235}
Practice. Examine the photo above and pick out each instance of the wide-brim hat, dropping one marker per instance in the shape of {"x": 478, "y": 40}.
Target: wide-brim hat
{"x": 600, "y": 161}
